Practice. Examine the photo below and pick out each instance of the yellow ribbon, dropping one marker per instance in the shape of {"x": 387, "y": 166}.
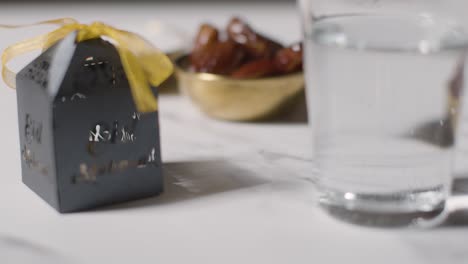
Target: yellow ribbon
{"x": 144, "y": 65}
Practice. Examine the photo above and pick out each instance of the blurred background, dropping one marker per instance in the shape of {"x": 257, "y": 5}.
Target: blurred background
{"x": 169, "y": 24}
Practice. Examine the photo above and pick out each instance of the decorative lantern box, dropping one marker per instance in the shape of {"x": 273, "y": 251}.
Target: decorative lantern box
{"x": 83, "y": 143}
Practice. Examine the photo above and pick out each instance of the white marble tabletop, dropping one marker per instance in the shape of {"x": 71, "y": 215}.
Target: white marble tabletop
{"x": 235, "y": 192}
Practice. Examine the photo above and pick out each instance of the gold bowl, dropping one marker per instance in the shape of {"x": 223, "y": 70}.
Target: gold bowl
{"x": 169, "y": 86}
{"x": 234, "y": 99}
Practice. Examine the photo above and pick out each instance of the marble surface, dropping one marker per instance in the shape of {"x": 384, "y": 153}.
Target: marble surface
{"x": 235, "y": 192}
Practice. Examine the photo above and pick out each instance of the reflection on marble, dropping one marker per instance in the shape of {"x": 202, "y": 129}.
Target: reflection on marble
{"x": 20, "y": 251}
{"x": 458, "y": 211}
{"x": 185, "y": 181}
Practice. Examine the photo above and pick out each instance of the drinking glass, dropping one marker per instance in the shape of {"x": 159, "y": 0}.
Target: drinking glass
{"x": 384, "y": 80}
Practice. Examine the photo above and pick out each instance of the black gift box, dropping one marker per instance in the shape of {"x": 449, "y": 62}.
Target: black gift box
{"x": 83, "y": 143}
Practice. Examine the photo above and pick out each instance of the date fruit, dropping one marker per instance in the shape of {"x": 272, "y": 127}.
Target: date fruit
{"x": 207, "y": 34}
{"x": 217, "y": 57}
{"x": 289, "y": 59}
{"x": 255, "y": 69}
{"x": 243, "y": 54}
{"x": 256, "y": 45}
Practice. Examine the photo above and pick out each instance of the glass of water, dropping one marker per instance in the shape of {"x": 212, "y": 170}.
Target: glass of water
{"x": 383, "y": 83}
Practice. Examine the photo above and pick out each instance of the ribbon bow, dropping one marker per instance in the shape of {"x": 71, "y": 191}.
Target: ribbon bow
{"x": 144, "y": 65}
